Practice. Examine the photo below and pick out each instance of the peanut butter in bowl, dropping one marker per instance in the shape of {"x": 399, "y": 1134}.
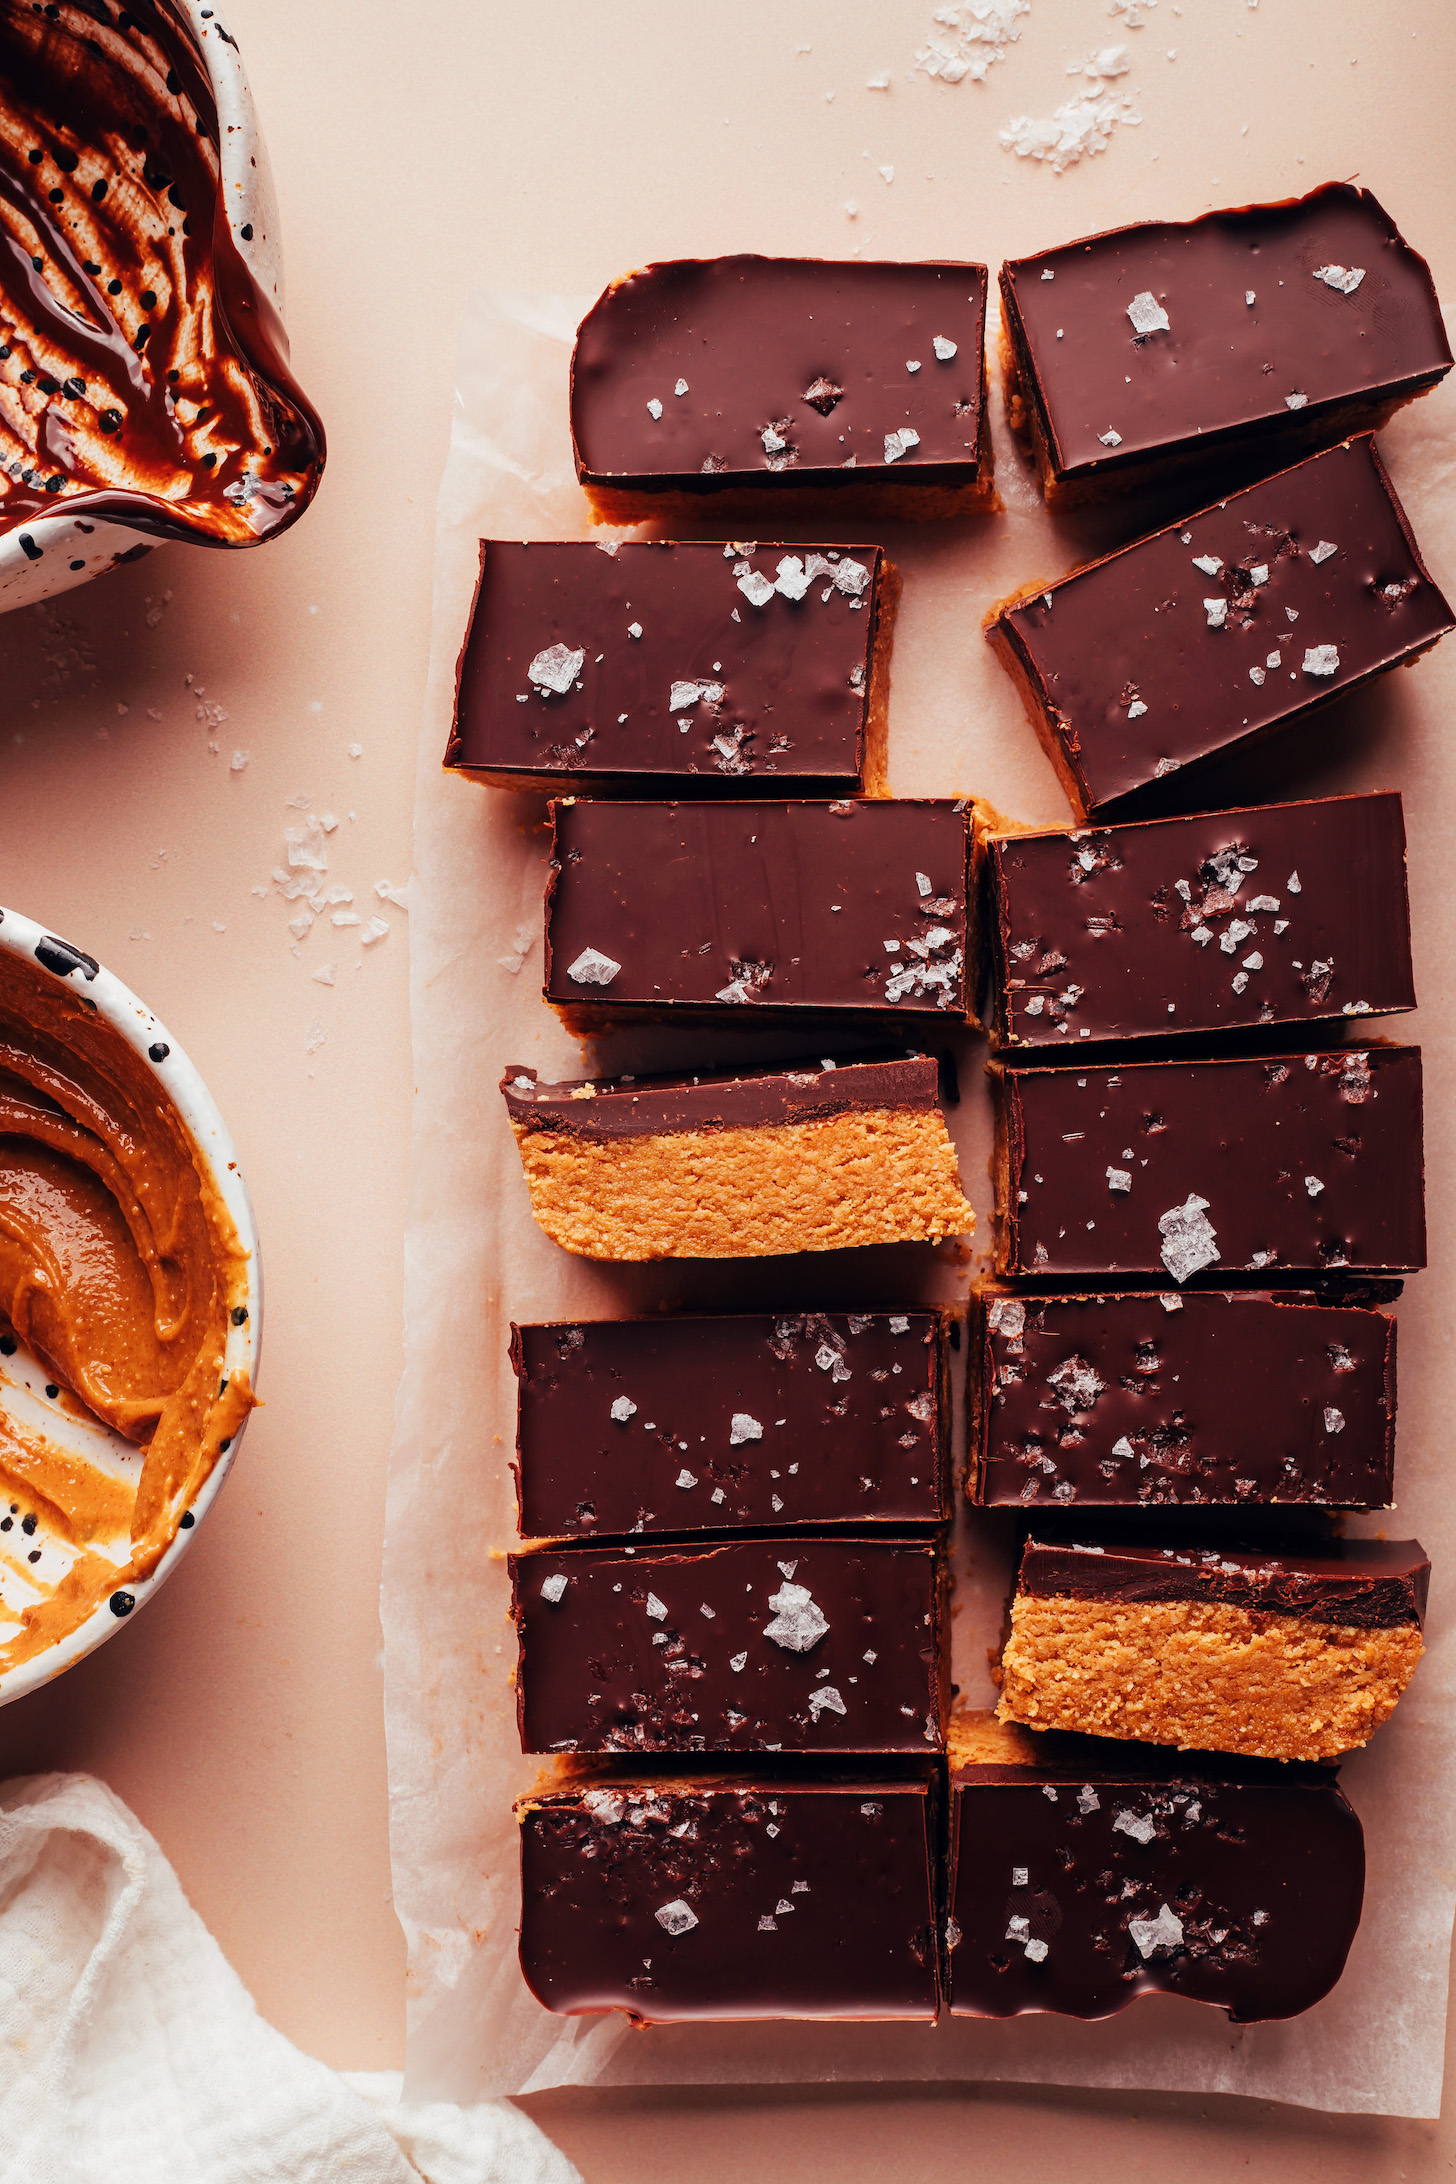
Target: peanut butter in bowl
{"x": 129, "y": 1303}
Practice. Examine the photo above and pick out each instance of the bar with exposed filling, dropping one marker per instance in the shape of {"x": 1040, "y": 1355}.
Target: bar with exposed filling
{"x": 1275, "y": 1655}
{"x": 783, "y": 1645}
{"x": 737, "y": 911}
{"x": 729, "y": 1895}
{"x": 1284, "y": 914}
{"x": 760, "y": 1420}
{"x": 1201, "y": 640}
{"x": 1207, "y": 1169}
{"x": 1237, "y": 340}
{"x": 656, "y": 668}
{"x": 1152, "y": 1400}
{"x": 1084, "y": 1874}
{"x": 833, "y": 385}
{"x": 808, "y": 1158}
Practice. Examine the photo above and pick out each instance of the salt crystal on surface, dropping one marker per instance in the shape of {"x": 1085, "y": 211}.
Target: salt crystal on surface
{"x": 656, "y": 1608}
{"x": 798, "y": 1623}
{"x": 654, "y": 408}
{"x": 1110, "y": 438}
{"x": 676, "y": 1917}
{"x": 756, "y": 588}
{"x": 744, "y": 1428}
{"x": 1140, "y": 1826}
{"x": 1189, "y": 1242}
{"x": 556, "y": 669}
{"x": 1334, "y": 1421}
{"x": 1323, "y": 551}
{"x": 899, "y": 443}
{"x": 1119, "y": 1179}
{"x": 1217, "y": 612}
{"x": 592, "y": 968}
{"x": 1163, "y": 1932}
{"x": 943, "y": 348}
{"x": 826, "y": 1700}
{"x": 1147, "y": 314}
{"x": 623, "y": 1409}
{"x": 553, "y": 1587}
{"x": 1346, "y": 278}
{"x": 1322, "y": 660}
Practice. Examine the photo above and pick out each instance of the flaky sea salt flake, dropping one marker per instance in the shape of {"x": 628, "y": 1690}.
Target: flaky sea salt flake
{"x": 1163, "y": 1932}
{"x": 1147, "y": 314}
{"x": 1322, "y": 660}
{"x": 1189, "y": 1241}
{"x": 676, "y": 1917}
{"x": 744, "y": 1428}
{"x": 592, "y": 968}
{"x": 1345, "y": 278}
{"x": 798, "y": 1623}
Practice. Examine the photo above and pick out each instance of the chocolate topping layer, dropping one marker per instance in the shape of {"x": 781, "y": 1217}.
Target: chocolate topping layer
{"x": 791, "y": 370}
{"x": 1281, "y": 914}
{"x": 673, "y": 1425}
{"x": 1091, "y": 1873}
{"x": 607, "y": 1108}
{"x": 724, "y": 907}
{"x": 1199, "y": 638}
{"x": 1242, "y": 325}
{"x": 708, "y": 667}
{"x": 803, "y": 1645}
{"x": 1228, "y": 1397}
{"x": 143, "y": 372}
{"x": 1354, "y": 1584}
{"x": 790, "y": 1896}
{"x": 1307, "y": 1161}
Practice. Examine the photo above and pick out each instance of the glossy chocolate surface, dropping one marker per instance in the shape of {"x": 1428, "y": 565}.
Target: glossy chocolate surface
{"x": 1156, "y": 1400}
{"x": 1224, "y": 367}
{"x": 745, "y": 665}
{"x": 796, "y": 1645}
{"x": 1208, "y": 1169}
{"x": 765, "y": 907}
{"x": 792, "y": 1896}
{"x": 794, "y": 369}
{"x": 1193, "y": 925}
{"x": 1361, "y": 1584}
{"x": 605, "y": 1108}
{"x": 1144, "y": 664}
{"x": 143, "y": 372}
{"x": 705, "y": 1425}
{"x": 1081, "y": 1879}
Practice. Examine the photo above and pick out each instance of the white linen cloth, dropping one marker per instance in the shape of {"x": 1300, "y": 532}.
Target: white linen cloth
{"x": 131, "y": 2052}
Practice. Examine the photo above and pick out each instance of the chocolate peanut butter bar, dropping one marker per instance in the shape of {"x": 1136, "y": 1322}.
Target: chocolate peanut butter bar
{"x": 843, "y": 385}
{"x": 1279, "y": 1656}
{"x": 735, "y": 911}
{"x": 1214, "y": 632}
{"x": 706, "y": 1425}
{"x": 1154, "y": 1400}
{"x": 669, "y": 669}
{"x": 1207, "y": 1169}
{"x": 1284, "y": 914}
{"x": 776, "y": 1894}
{"x": 1084, "y": 1874}
{"x": 1242, "y": 337}
{"x": 808, "y": 1158}
{"x": 787, "y": 1644}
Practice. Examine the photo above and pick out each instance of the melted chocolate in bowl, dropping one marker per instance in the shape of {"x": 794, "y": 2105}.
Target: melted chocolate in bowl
{"x": 128, "y": 1303}
{"x": 143, "y": 372}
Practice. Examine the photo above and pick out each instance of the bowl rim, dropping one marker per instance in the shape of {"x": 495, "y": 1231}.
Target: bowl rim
{"x": 213, "y": 1148}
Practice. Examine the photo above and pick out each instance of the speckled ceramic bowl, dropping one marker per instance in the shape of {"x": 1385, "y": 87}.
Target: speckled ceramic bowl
{"x": 46, "y": 556}
{"x": 23, "y": 1380}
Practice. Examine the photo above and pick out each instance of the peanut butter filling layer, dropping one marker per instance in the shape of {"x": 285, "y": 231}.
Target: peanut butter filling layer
{"x": 872, "y": 1176}
{"x": 1202, "y": 1676}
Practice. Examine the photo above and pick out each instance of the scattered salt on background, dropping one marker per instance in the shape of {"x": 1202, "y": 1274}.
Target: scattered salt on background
{"x": 967, "y": 39}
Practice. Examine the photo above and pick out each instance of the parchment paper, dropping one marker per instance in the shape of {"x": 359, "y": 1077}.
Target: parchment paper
{"x": 475, "y": 1260}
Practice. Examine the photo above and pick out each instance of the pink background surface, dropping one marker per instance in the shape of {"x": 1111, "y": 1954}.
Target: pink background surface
{"x": 418, "y": 157}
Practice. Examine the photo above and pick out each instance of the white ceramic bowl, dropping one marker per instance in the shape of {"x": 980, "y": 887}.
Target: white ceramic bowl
{"x": 250, "y": 203}
{"x": 22, "y": 1378}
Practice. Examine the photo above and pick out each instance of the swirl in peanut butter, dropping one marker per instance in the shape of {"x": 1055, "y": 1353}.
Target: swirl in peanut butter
{"x": 143, "y": 373}
{"x": 119, "y": 1268}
